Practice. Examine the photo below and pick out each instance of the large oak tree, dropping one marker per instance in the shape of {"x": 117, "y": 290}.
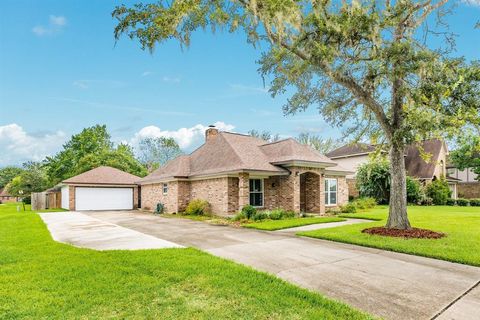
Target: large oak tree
{"x": 366, "y": 65}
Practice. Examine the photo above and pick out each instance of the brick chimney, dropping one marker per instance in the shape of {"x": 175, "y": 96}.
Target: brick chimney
{"x": 211, "y": 133}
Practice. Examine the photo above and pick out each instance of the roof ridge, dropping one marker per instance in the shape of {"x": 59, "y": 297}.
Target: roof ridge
{"x": 278, "y": 141}
{"x": 233, "y": 149}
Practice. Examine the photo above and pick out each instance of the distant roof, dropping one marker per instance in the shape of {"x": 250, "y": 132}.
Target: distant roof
{"x": 3, "y": 193}
{"x": 414, "y": 163}
{"x": 352, "y": 149}
{"x": 103, "y": 175}
{"x": 233, "y": 152}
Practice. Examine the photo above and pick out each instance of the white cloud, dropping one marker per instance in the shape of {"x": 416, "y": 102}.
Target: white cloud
{"x": 58, "y": 20}
{"x": 19, "y": 146}
{"x": 248, "y": 89}
{"x": 472, "y": 2}
{"x": 171, "y": 79}
{"x": 185, "y": 137}
{"x": 85, "y": 84}
{"x": 146, "y": 73}
{"x": 55, "y": 25}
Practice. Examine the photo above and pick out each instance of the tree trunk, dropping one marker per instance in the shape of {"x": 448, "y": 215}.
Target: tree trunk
{"x": 397, "y": 216}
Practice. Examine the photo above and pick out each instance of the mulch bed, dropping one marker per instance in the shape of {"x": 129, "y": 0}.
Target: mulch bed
{"x": 413, "y": 233}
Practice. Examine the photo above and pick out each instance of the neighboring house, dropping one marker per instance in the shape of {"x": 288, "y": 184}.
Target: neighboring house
{"x": 102, "y": 188}
{"x": 354, "y": 155}
{"x": 468, "y": 185}
{"x": 5, "y": 197}
{"x": 232, "y": 170}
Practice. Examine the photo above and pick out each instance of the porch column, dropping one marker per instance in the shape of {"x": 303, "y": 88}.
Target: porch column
{"x": 296, "y": 190}
{"x": 243, "y": 190}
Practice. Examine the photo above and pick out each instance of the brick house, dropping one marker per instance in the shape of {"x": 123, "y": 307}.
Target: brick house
{"x": 232, "y": 170}
{"x": 353, "y": 155}
{"x": 6, "y": 198}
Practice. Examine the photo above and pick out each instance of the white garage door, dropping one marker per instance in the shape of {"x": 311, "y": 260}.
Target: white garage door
{"x": 103, "y": 198}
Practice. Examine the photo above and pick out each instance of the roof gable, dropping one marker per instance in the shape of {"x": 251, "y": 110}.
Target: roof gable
{"x": 290, "y": 150}
{"x": 103, "y": 175}
{"x": 414, "y": 163}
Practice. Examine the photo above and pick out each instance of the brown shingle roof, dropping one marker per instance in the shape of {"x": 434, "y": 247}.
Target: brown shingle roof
{"x": 414, "y": 163}
{"x": 352, "y": 149}
{"x": 103, "y": 175}
{"x": 3, "y": 193}
{"x": 291, "y": 150}
{"x": 232, "y": 152}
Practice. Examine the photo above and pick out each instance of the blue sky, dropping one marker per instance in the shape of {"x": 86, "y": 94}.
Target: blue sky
{"x": 60, "y": 71}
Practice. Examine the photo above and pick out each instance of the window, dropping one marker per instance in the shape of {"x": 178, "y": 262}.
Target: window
{"x": 165, "y": 188}
{"x": 256, "y": 192}
{"x": 330, "y": 192}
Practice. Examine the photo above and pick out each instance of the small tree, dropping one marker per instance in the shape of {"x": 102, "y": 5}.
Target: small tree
{"x": 7, "y": 174}
{"x": 318, "y": 143}
{"x": 33, "y": 178}
{"x": 439, "y": 191}
{"x": 156, "y": 152}
{"x": 373, "y": 180}
{"x": 87, "y": 150}
{"x": 264, "y": 135}
{"x": 467, "y": 155}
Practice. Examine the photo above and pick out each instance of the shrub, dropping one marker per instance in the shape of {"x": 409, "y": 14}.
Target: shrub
{"x": 249, "y": 211}
{"x": 439, "y": 191}
{"x": 451, "y": 202}
{"x": 260, "y": 215}
{"x": 365, "y": 203}
{"x": 198, "y": 207}
{"x": 475, "y": 202}
{"x": 373, "y": 180}
{"x": 276, "y": 214}
{"x": 463, "y": 202}
{"x": 239, "y": 216}
{"x": 414, "y": 191}
{"x": 348, "y": 208}
{"x": 427, "y": 201}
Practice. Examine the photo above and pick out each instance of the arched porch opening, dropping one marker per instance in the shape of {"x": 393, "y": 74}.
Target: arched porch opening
{"x": 310, "y": 192}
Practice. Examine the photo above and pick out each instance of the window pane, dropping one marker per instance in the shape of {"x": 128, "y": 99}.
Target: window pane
{"x": 258, "y": 200}
{"x": 326, "y": 198}
{"x": 252, "y": 199}
{"x": 333, "y": 198}
{"x": 333, "y": 185}
{"x": 326, "y": 185}
{"x": 255, "y": 185}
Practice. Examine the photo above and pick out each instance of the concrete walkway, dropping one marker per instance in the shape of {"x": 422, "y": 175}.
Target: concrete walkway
{"x": 323, "y": 226}
{"x": 387, "y": 284}
{"x": 87, "y": 232}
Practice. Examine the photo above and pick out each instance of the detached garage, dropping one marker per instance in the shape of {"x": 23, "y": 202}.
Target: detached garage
{"x": 102, "y": 188}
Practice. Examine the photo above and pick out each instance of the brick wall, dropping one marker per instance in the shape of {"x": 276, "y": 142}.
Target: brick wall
{"x": 227, "y": 195}
{"x": 215, "y": 191}
{"x": 352, "y": 188}
{"x": 469, "y": 190}
{"x": 153, "y": 194}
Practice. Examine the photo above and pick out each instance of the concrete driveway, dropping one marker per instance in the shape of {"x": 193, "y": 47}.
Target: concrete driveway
{"x": 386, "y": 284}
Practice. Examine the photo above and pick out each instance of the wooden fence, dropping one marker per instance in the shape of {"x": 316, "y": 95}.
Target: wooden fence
{"x": 46, "y": 200}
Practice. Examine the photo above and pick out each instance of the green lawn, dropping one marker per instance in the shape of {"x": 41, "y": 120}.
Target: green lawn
{"x": 461, "y": 224}
{"x": 272, "y": 225}
{"x": 43, "y": 279}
